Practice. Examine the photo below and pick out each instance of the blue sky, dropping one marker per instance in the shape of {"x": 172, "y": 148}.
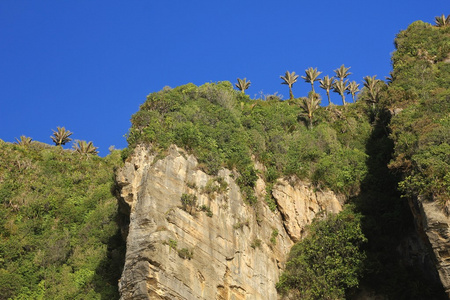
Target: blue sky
{"x": 87, "y": 65}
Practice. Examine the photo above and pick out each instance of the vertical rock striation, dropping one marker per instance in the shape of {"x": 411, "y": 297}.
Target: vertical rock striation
{"x": 218, "y": 248}
{"x": 434, "y": 224}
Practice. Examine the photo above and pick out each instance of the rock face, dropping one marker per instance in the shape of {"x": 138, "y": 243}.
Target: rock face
{"x": 215, "y": 246}
{"x": 434, "y": 224}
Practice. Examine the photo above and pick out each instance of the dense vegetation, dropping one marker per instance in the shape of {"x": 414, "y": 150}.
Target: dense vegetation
{"x": 225, "y": 128}
{"x": 328, "y": 261}
{"x": 421, "y": 132}
{"x": 59, "y": 238}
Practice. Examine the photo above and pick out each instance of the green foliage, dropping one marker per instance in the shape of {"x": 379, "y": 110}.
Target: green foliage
{"x": 421, "y": 85}
{"x": 206, "y": 209}
{"x": 328, "y": 261}
{"x": 224, "y": 128}
{"x": 58, "y": 234}
{"x": 273, "y": 236}
{"x": 189, "y": 202}
{"x": 185, "y": 253}
{"x": 256, "y": 243}
{"x": 61, "y": 136}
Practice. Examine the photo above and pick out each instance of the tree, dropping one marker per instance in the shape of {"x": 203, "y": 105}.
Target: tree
{"x": 373, "y": 87}
{"x": 442, "y": 21}
{"x": 289, "y": 79}
{"x": 311, "y": 76}
{"x": 309, "y": 105}
{"x": 242, "y": 84}
{"x": 83, "y": 147}
{"x": 328, "y": 261}
{"x": 61, "y": 136}
{"x": 327, "y": 84}
{"x": 342, "y": 72}
{"x": 23, "y": 141}
{"x": 353, "y": 88}
{"x": 340, "y": 87}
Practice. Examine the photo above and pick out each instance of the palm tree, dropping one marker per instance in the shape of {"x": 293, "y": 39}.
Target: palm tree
{"x": 311, "y": 76}
{"x": 373, "y": 87}
{"x": 342, "y": 72}
{"x": 327, "y": 84}
{"x": 442, "y": 21}
{"x": 23, "y": 141}
{"x": 340, "y": 87}
{"x": 85, "y": 148}
{"x": 289, "y": 79}
{"x": 242, "y": 84}
{"x": 61, "y": 136}
{"x": 353, "y": 88}
{"x": 309, "y": 105}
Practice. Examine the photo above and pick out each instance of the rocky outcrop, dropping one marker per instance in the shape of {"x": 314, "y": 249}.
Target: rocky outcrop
{"x": 211, "y": 245}
{"x": 433, "y": 223}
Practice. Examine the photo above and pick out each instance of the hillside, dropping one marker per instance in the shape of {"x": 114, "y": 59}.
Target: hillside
{"x": 244, "y": 183}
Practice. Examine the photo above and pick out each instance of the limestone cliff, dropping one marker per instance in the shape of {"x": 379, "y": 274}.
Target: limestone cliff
{"x": 433, "y": 223}
{"x": 217, "y": 248}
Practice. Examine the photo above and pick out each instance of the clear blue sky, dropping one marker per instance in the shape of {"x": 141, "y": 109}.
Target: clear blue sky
{"x": 88, "y": 64}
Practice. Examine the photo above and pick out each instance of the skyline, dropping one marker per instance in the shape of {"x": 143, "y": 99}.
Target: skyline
{"x": 88, "y": 66}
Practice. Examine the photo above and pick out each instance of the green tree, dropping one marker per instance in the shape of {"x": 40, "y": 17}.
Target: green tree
{"x": 328, "y": 261}
{"x": 61, "y": 136}
{"x": 373, "y": 87}
{"x": 242, "y": 84}
{"x": 342, "y": 72}
{"x": 289, "y": 79}
{"x": 23, "y": 141}
{"x": 312, "y": 75}
{"x": 309, "y": 105}
{"x": 442, "y": 21}
{"x": 353, "y": 88}
{"x": 340, "y": 87}
{"x": 83, "y": 147}
{"x": 327, "y": 84}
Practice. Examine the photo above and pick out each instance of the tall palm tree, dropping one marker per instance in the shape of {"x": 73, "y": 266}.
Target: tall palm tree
{"x": 442, "y": 21}
{"x": 342, "y": 72}
{"x": 373, "y": 87}
{"x": 311, "y": 76}
{"x": 309, "y": 105}
{"x": 340, "y": 87}
{"x": 289, "y": 79}
{"x": 23, "y": 141}
{"x": 242, "y": 84}
{"x": 83, "y": 147}
{"x": 353, "y": 88}
{"x": 61, "y": 136}
{"x": 327, "y": 84}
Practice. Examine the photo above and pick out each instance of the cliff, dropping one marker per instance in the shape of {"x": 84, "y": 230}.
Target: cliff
{"x": 217, "y": 248}
{"x": 433, "y": 225}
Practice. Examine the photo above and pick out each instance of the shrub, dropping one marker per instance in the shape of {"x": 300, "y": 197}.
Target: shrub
{"x": 328, "y": 261}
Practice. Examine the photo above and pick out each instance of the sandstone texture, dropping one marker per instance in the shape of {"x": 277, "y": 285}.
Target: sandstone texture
{"x": 218, "y": 248}
{"x": 433, "y": 223}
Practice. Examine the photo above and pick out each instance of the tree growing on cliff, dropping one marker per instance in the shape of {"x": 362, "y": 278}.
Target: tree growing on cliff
{"x": 61, "y": 136}
{"x": 289, "y": 79}
{"x": 312, "y": 75}
{"x": 328, "y": 261}
{"x": 242, "y": 84}
{"x": 327, "y": 84}
{"x": 309, "y": 105}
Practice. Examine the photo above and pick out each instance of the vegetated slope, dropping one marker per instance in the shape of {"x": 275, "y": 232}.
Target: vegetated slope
{"x": 59, "y": 238}
{"x": 224, "y": 128}
{"x": 421, "y": 132}
{"x": 347, "y": 149}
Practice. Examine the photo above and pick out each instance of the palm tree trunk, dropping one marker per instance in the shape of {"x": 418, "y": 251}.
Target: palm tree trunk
{"x": 291, "y": 95}
{"x": 329, "y": 100}
{"x": 343, "y": 99}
